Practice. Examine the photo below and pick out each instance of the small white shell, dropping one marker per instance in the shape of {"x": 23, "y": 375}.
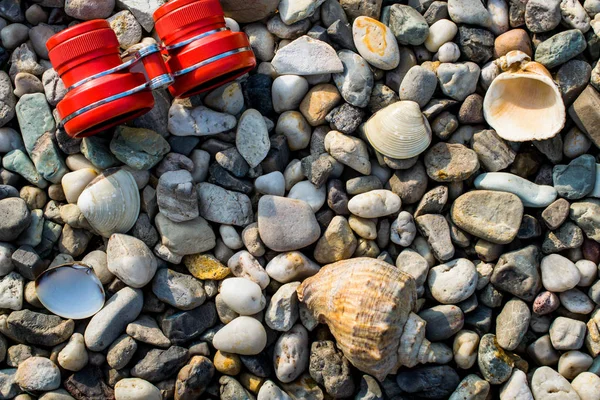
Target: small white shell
{"x": 399, "y": 130}
{"x": 523, "y": 103}
{"x": 111, "y": 202}
{"x": 70, "y": 291}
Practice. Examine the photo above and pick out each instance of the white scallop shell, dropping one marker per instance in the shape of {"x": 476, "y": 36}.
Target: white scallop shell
{"x": 70, "y": 291}
{"x": 399, "y": 130}
{"x": 523, "y": 103}
{"x": 111, "y": 202}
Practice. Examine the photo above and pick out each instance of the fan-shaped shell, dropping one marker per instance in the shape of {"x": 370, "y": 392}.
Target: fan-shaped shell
{"x": 111, "y": 202}
{"x": 523, "y": 103}
{"x": 366, "y": 303}
{"x": 399, "y": 130}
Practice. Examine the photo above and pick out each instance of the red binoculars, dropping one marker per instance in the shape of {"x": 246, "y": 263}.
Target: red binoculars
{"x": 198, "y": 53}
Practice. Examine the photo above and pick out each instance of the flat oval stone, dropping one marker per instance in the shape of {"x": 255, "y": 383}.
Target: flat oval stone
{"x": 376, "y": 43}
{"x": 548, "y": 384}
{"x": 375, "y": 204}
{"x": 495, "y": 365}
{"x": 493, "y": 216}
{"x": 453, "y": 282}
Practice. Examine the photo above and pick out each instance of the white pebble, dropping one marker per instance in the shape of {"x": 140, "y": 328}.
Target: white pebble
{"x": 442, "y": 31}
{"x": 287, "y": 92}
{"x": 291, "y": 353}
{"x": 243, "y": 296}
{"x": 73, "y": 356}
{"x": 576, "y": 301}
{"x": 547, "y": 384}
{"x": 75, "y": 182}
{"x": 375, "y": 204}
{"x": 559, "y": 274}
{"x": 517, "y": 387}
{"x": 295, "y": 128}
{"x": 466, "y": 344}
{"x": 448, "y": 53}
{"x": 243, "y": 264}
{"x": 291, "y": 266}
{"x": 574, "y": 362}
{"x": 308, "y": 192}
{"x": 588, "y": 271}
{"x": 136, "y": 389}
{"x": 272, "y": 183}
{"x": 243, "y": 335}
{"x": 587, "y": 386}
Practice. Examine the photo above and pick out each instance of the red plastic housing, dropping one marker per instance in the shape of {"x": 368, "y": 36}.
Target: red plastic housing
{"x": 216, "y": 58}
{"x": 85, "y": 50}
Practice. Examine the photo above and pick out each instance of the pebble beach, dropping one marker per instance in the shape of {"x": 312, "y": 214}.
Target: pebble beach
{"x": 401, "y": 201}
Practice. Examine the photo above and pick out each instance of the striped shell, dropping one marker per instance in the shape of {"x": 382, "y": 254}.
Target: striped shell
{"x": 111, "y": 202}
{"x": 399, "y": 130}
{"x": 366, "y": 303}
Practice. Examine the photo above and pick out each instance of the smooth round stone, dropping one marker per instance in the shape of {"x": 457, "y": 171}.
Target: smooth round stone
{"x": 287, "y": 92}
{"x": 14, "y": 35}
{"x": 295, "y": 128}
{"x": 574, "y": 362}
{"x": 130, "y": 260}
{"x": 243, "y": 335}
{"x": 286, "y": 224}
{"x": 453, "y": 282}
{"x": 227, "y": 363}
{"x": 38, "y": 374}
{"x": 291, "y": 266}
{"x": 588, "y": 272}
{"x": 243, "y": 296}
{"x": 576, "y": 301}
{"x": 450, "y": 162}
{"x": 514, "y": 39}
{"x": 517, "y": 387}
{"x": 262, "y": 41}
{"x": 73, "y": 356}
{"x": 227, "y": 98}
{"x": 559, "y": 274}
{"x": 270, "y": 391}
{"x": 10, "y": 140}
{"x": 560, "y": 48}
{"x": 547, "y": 384}
{"x": 136, "y": 389}
{"x": 272, "y": 183}
{"x": 575, "y": 143}
{"x": 75, "y": 182}
{"x": 587, "y": 386}
{"x": 309, "y": 193}
{"x": 531, "y": 195}
{"x": 365, "y": 228}
{"x": 449, "y": 52}
{"x": 418, "y": 85}
{"x": 414, "y": 264}
{"x": 442, "y": 31}
{"x": 442, "y": 321}
{"x": 231, "y": 237}
{"x": 375, "y": 204}
{"x": 252, "y": 137}
{"x": 376, "y": 43}
{"x": 291, "y": 354}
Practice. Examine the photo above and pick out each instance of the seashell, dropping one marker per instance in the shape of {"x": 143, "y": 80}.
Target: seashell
{"x": 70, "y": 291}
{"x": 523, "y": 103}
{"x": 399, "y": 130}
{"x": 367, "y": 304}
{"x": 111, "y": 202}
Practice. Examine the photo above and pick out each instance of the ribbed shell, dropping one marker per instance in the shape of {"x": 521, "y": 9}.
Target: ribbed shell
{"x": 365, "y": 302}
{"x": 111, "y": 202}
{"x": 399, "y": 130}
{"x": 523, "y": 103}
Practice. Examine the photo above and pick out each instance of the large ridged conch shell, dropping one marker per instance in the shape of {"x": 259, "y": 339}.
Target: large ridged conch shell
{"x": 399, "y": 130}
{"x": 523, "y": 103}
{"x": 111, "y": 202}
{"x": 367, "y": 304}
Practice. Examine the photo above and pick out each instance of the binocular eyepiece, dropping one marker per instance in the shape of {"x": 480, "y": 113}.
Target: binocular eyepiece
{"x": 197, "y": 54}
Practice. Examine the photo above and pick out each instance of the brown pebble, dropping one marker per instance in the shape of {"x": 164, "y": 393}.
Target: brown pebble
{"x": 515, "y": 39}
{"x": 591, "y": 250}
